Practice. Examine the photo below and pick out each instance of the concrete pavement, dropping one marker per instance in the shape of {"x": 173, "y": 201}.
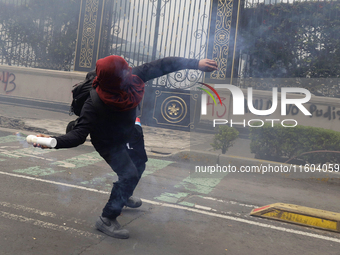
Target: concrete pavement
{"x": 213, "y": 213}
{"x": 159, "y": 142}
{"x": 192, "y": 147}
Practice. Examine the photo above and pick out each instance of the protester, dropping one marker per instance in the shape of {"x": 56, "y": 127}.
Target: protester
{"x": 121, "y": 89}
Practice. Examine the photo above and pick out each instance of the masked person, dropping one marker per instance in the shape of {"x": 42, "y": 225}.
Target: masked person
{"x": 121, "y": 88}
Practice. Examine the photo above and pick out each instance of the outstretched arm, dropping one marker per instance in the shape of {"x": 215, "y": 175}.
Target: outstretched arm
{"x": 167, "y": 65}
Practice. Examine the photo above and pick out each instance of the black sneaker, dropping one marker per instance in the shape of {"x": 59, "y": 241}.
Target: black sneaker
{"x": 134, "y": 202}
{"x": 111, "y": 228}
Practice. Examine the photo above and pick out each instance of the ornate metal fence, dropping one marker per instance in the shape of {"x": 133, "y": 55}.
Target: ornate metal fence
{"x": 35, "y": 33}
{"x": 290, "y": 43}
{"x": 278, "y": 42}
{"x": 145, "y": 30}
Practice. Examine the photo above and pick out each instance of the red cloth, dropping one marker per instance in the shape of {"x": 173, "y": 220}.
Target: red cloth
{"x": 116, "y": 85}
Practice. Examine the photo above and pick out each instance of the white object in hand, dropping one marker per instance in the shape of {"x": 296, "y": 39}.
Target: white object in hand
{"x": 49, "y": 142}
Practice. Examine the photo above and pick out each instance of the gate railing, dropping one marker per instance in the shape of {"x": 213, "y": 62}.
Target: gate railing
{"x": 276, "y": 39}
{"x": 145, "y": 30}
{"x": 292, "y": 43}
{"x": 39, "y": 34}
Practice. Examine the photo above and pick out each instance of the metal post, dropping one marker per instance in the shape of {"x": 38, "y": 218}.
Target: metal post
{"x": 89, "y": 34}
{"x": 155, "y": 40}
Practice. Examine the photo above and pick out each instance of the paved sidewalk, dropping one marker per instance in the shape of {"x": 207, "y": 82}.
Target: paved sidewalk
{"x": 175, "y": 145}
{"x": 158, "y": 141}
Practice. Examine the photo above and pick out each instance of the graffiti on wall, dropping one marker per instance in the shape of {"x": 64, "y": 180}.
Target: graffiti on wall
{"x": 330, "y": 113}
{"x": 7, "y": 79}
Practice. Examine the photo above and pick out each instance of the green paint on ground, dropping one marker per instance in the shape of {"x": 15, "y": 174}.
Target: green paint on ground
{"x": 37, "y": 171}
{"x": 80, "y": 161}
{"x": 12, "y": 138}
{"x": 186, "y": 204}
{"x": 26, "y": 152}
{"x": 171, "y": 197}
{"x": 95, "y": 181}
{"x": 200, "y": 185}
{"x": 154, "y": 165}
{"x": 100, "y": 182}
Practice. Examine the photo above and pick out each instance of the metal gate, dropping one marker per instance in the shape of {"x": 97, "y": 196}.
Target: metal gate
{"x": 138, "y": 30}
{"x": 146, "y": 30}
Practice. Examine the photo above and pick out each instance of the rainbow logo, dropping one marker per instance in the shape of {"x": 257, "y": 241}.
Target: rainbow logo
{"x": 209, "y": 93}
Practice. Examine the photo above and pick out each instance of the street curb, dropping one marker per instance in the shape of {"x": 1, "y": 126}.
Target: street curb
{"x": 300, "y": 215}
{"x": 194, "y": 156}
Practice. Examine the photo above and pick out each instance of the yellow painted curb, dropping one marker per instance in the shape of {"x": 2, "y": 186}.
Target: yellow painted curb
{"x": 301, "y": 215}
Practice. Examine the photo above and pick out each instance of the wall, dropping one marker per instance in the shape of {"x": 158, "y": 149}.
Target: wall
{"x": 38, "y": 84}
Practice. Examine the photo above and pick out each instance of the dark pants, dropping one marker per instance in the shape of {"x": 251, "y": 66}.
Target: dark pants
{"x": 129, "y": 165}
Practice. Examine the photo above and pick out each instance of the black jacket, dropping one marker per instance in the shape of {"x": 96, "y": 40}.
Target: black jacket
{"x": 114, "y": 127}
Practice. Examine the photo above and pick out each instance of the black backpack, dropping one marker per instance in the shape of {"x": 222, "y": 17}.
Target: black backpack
{"x": 81, "y": 92}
